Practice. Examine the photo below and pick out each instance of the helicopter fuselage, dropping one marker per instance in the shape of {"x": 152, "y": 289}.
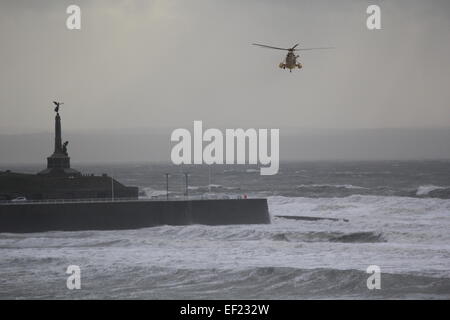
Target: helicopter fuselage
{"x": 290, "y": 62}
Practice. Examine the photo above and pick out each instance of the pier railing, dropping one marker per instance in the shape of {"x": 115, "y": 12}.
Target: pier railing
{"x": 107, "y": 200}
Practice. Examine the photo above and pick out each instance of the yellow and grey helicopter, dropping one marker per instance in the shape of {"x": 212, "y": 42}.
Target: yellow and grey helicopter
{"x": 290, "y": 61}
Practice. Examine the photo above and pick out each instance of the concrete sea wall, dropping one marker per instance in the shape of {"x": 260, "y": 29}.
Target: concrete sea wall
{"x": 115, "y": 215}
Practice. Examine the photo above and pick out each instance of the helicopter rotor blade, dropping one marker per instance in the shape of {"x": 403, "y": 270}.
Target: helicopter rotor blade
{"x": 293, "y": 48}
{"x": 305, "y": 49}
{"x": 264, "y": 46}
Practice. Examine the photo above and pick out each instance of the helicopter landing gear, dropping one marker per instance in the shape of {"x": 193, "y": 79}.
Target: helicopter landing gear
{"x": 282, "y": 65}
{"x": 299, "y": 65}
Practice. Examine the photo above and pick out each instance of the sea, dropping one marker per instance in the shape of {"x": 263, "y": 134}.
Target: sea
{"x": 394, "y": 215}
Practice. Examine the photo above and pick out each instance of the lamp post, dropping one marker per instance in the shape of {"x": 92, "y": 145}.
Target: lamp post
{"x": 167, "y": 186}
{"x": 209, "y": 179}
{"x": 186, "y": 175}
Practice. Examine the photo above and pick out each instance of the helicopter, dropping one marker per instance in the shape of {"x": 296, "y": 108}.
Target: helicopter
{"x": 290, "y": 61}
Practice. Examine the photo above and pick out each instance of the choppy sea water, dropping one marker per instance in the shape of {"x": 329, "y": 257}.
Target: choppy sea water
{"x": 398, "y": 219}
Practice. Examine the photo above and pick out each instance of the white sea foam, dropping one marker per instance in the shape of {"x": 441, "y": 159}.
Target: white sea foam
{"x": 212, "y": 186}
{"x": 425, "y": 190}
{"x": 401, "y": 219}
{"x": 407, "y": 237}
{"x": 346, "y": 186}
{"x": 150, "y": 192}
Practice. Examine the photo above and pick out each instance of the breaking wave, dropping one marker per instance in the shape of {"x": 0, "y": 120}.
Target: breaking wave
{"x": 429, "y": 189}
{"x": 359, "y": 237}
{"x": 212, "y": 187}
{"x": 246, "y": 283}
{"x": 151, "y": 193}
{"x": 344, "y": 186}
{"x": 352, "y": 237}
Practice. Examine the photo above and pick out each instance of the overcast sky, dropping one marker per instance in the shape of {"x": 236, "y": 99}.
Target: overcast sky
{"x": 140, "y": 65}
{"x": 165, "y": 63}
